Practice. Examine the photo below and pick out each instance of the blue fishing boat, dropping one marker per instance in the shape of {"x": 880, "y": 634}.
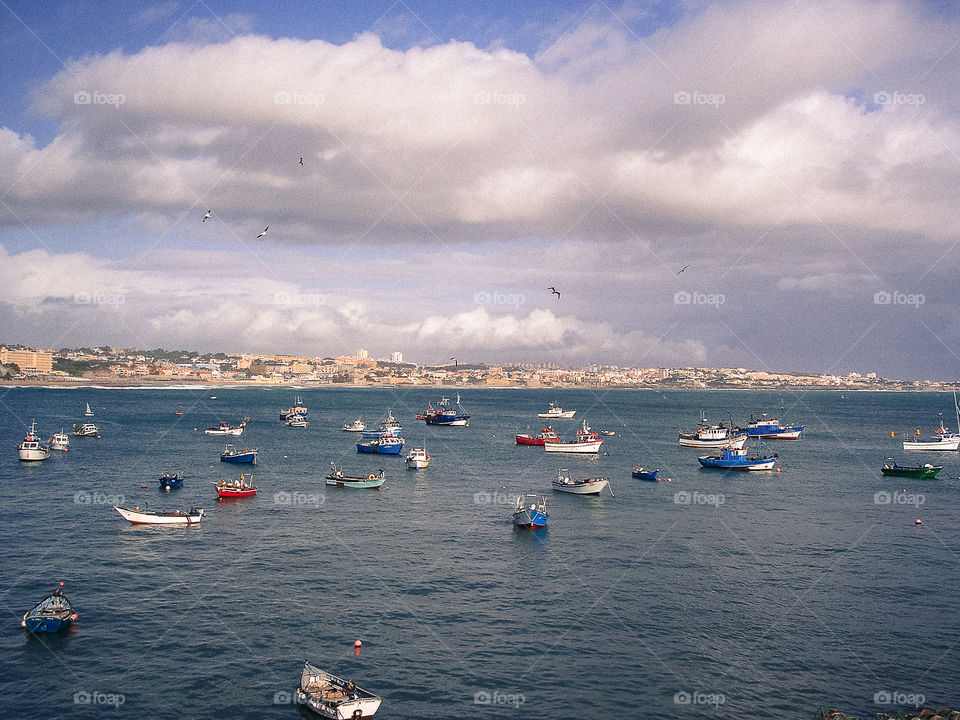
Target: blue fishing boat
{"x": 51, "y": 614}
{"x": 168, "y": 481}
{"x": 530, "y": 512}
{"x": 772, "y": 429}
{"x": 446, "y": 414}
{"x": 386, "y": 445}
{"x": 231, "y": 454}
{"x": 732, "y": 458}
{"x": 641, "y": 474}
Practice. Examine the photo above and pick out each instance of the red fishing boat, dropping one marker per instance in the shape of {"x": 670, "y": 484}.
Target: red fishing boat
{"x": 228, "y": 489}
{"x": 547, "y": 434}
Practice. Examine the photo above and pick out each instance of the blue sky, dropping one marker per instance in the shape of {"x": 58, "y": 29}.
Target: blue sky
{"x": 800, "y": 157}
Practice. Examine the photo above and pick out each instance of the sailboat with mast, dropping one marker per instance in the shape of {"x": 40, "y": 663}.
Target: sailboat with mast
{"x": 942, "y": 440}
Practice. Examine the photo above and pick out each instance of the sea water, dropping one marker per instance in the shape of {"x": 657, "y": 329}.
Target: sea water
{"x": 709, "y": 594}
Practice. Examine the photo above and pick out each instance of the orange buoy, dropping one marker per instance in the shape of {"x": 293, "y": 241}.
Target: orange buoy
{"x": 357, "y": 643}
{"x": 918, "y": 521}
{"x": 669, "y": 479}
{"x": 778, "y": 469}
{"x": 892, "y": 434}
{"x": 143, "y": 486}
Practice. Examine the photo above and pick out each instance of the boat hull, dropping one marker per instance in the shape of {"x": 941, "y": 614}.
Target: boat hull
{"x": 565, "y": 415}
{"x": 529, "y": 440}
{"x": 247, "y": 457}
{"x": 530, "y": 519}
{"x": 235, "y": 432}
{"x": 141, "y": 517}
{"x": 33, "y": 454}
{"x": 691, "y": 441}
{"x": 593, "y": 486}
{"x": 231, "y": 494}
{"x": 743, "y": 464}
{"x": 458, "y": 421}
{"x": 361, "y": 484}
{"x": 38, "y": 624}
{"x": 592, "y": 447}
{"x": 947, "y": 444}
{"x": 377, "y": 448}
{"x": 641, "y": 474}
{"x": 928, "y": 472}
{"x": 345, "y": 710}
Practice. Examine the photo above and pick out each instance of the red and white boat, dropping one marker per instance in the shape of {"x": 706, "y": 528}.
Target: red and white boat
{"x": 159, "y": 517}
{"x": 228, "y": 489}
{"x": 587, "y": 442}
{"x": 547, "y": 435}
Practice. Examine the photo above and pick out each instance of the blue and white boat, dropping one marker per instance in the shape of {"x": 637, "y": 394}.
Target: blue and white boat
{"x": 732, "y": 458}
{"x": 772, "y": 429}
{"x": 297, "y": 410}
{"x": 231, "y": 454}
{"x": 446, "y": 414}
{"x": 51, "y": 614}
{"x": 530, "y": 512}
{"x": 168, "y": 481}
{"x": 640, "y": 474}
{"x": 386, "y": 445}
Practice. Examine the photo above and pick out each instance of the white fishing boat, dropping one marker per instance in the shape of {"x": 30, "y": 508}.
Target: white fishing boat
{"x": 225, "y": 428}
{"x": 138, "y": 516}
{"x": 332, "y": 697}
{"x": 557, "y": 412}
{"x": 86, "y": 430}
{"x": 942, "y": 440}
{"x": 59, "y": 441}
{"x": 417, "y": 459}
{"x": 357, "y": 425}
{"x": 297, "y": 421}
{"x": 30, "y": 450}
{"x": 587, "y": 442}
{"x": 88, "y": 412}
{"x": 706, "y": 435}
{"x": 586, "y": 486}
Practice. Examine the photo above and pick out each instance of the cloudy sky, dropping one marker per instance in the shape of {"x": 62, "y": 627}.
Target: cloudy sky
{"x": 800, "y": 159}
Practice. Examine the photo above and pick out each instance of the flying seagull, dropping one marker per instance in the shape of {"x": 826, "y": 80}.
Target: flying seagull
{"x": 554, "y": 291}
{"x": 682, "y": 269}
{"x": 263, "y": 233}
{"x": 206, "y": 217}
{"x": 301, "y": 159}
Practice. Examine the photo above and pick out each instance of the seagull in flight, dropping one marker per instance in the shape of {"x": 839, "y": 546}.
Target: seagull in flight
{"x": 263, "y": 233}
{"x": 682, "y": 269}
{"x": 206, "y": 217}
{"x": 301, "y": 160}
{"x": 554, "y": 291}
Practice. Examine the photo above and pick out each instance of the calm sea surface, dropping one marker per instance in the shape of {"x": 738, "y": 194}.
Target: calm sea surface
{"x": 746, "y": 595}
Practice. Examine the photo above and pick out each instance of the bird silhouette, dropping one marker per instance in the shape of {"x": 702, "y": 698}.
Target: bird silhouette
{"x": 206, "y": 217}
{"x": 554, "y": 291}
{"x": 682, "y": 269}
{"x": 263, "y": 233}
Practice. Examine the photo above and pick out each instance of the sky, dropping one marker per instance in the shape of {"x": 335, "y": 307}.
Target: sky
{"x": 742, "y": 183}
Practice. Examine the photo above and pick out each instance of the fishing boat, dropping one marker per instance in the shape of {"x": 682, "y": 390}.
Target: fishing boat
{"x": 917, "y": 472}
{"x": 390, "y": 424}
{"x": 298, "y": 409}
{"x": 225, "y": 428}
{"x": 88, "y": 412}
{"x": 707, "y": 435}
{"x": 233, "y": 455}
{"x": 169, "y": 481}
{"x": 555, "y": 412}
{"x": 547, "y": 434}
{"x": 608, "y": 433}
{"x": 178, "y": 413}
{"x": 297, "y": 421}
{"x": 772, "y": 429}
{"x": 417, "y": 459}
{"x": 356, "y": 426}
{"x": 586, "y": 486}
{"x": 332, "y": 697}
{"x": 337, "y": 478}
{"x": 59, "y": 441}
{"x": 386, "y": 445}
{"x": 731, "y": 458}
{"x": 51, "y": 614}
{"x": 229, "y": 489}
{"x": 86, "y": 430}
{"x": 159, "y": 517}
{"x": 942, "y": 440}
{"x": 446, "y": 414}
{"x": 530, "y": 512}
{"x": 587, "y": 442}
{"x": 30, "y": 450}
{"x": 640, "y": 474}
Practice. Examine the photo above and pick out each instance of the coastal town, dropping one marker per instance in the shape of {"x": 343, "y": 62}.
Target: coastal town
{"x": 124, "y": 366}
